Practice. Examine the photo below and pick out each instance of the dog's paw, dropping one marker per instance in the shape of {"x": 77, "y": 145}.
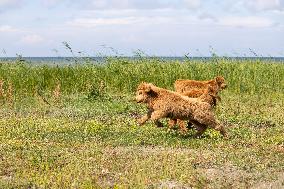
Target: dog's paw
{"x": 140, "y": 121}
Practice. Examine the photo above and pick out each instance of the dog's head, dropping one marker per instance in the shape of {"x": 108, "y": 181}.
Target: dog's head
{"x": 221, "y": 82}
{"x": 144, "y": 92}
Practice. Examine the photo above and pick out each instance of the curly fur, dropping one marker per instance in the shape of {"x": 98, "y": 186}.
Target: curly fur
{"x": 184, "y": 85}
{"x": 196, "y": 89}
{"x": 163, "y": 103}
{"x": 209, "y": 95}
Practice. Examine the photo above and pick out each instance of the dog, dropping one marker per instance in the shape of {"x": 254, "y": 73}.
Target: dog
{"x": 209, "y": 95}
{"x": 164, "y": 103}
{"x": 184, "y": 85}
{"x": 195, "y": 89}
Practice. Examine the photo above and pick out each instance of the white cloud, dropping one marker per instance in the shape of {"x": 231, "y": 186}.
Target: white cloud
{"x": 260, "y": 5}
{"x": 115, "y": 4}
{"x": 32, "y": 39}
{"x": 8, "y": 4}
{"x": 128, "y": 4}
{"x": 7, "y": 28}
{"x": 110, "y": 4}
{"x": 131, "y": 20}
{"x": 94, "y": 22}
{"x": 207, "y": 16}
{"x": 192, "y": 4}
{"x": 51, "y": 3}
{"x": 246, "y": 22}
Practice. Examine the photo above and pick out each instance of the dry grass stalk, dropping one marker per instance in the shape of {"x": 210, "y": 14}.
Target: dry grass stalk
{"x": 10, "y": 96}
{"x": 2, "y": 91}
{"x": 57, "y": 92}
{"x": 102, "y": 87}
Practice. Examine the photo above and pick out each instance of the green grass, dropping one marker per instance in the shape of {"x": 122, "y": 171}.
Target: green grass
{"x": 123, "y": 75}
{"x": 87, "y": 137}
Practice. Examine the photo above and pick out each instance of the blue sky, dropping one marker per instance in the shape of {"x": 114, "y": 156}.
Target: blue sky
{"x": 157, "y": 27}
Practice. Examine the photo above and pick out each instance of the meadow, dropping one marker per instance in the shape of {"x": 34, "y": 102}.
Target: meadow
{"x": 74, "y": 126}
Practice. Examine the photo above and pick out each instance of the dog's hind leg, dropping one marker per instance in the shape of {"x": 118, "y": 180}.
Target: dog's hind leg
{"x": 210, "y": 121}
{"x": 219, "y": 127}
{"x": 182, "y": 126}
{"x": 201, "y": 128}
{"x": 189, "y": 125}
{"x": 172, "y": 123}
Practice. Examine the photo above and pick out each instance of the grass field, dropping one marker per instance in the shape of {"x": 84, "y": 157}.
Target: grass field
{"x": 75, "y": 127}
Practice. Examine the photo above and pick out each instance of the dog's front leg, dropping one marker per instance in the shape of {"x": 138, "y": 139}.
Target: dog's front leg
{"x": 156, "y": 115}
{"x": 143, "y": 119}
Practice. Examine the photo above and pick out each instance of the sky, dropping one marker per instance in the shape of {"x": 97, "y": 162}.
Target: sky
{"x": 154, "y": 27}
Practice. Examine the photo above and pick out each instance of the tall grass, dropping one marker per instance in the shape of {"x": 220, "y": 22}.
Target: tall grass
{"x": 123, "y": 75}
{"x": 70, "y": 141}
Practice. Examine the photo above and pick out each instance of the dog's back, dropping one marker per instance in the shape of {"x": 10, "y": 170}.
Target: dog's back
{"x": 183, "y": 85}
{"x": 209, "y": 95}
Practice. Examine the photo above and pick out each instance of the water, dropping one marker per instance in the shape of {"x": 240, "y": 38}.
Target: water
{"x": 72, "y": 60}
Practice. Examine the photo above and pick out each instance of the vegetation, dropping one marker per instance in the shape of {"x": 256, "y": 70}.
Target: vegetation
{"x": 75, "y": 126}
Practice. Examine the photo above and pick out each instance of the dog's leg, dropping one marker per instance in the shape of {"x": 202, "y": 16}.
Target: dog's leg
{"x": 219, "y": 127}
{"x": 189, "y": 125}
{"x": 215, "y": 124}
{"x": 182, "y": 126}
{"x": 156, "y": 115}
{"x": 201, "y": 128}
{"x": 172, "y": 123}
{"x": 209, "y": 120}
{"x": 143, "y": 119}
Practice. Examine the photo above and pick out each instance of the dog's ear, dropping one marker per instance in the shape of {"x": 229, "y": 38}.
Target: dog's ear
{"x": 148, "y": 87}
{"x": 219, "y": 79}
{"x": 151, "y": 90}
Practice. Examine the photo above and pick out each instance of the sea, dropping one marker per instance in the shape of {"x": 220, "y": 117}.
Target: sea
{"x": 78, "y": 60}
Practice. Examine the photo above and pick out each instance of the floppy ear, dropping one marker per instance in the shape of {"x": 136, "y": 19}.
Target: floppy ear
{"x": 219, "y": 79}
{"x": 145, "y": 86}
{"x": 148, "y": 87}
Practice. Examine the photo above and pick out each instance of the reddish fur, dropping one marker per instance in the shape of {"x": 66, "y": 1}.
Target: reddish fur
{"x": 163, "y": 103}
{"x": 209, "y": 95}
{"x": 201, "y": 90}
{"x": 184, "y": 85}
